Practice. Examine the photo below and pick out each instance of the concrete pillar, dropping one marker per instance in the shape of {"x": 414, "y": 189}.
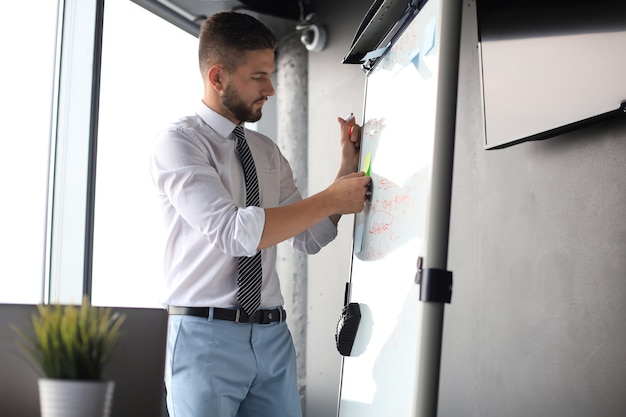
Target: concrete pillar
{"x": 292, "y": 138}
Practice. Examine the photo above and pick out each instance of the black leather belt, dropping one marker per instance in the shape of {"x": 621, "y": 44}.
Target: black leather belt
{"x": 238, "y": 316}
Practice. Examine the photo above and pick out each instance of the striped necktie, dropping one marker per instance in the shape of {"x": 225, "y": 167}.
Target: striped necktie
{"x": 249, "y": 269}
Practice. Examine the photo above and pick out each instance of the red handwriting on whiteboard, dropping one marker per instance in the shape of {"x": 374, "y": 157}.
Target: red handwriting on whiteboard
{"x": 390, "y": 220}
{"x": 373, "y": 129}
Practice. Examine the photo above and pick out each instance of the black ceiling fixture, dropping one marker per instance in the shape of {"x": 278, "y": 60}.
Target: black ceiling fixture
{"x": 287, "y": 9}
{"x": 278, "y": 15}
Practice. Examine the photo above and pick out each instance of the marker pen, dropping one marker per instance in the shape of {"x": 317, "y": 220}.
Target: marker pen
{"x": 348, "y": 119}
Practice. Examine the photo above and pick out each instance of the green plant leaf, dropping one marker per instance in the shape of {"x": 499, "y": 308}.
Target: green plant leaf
{"x": 68, "y": 342}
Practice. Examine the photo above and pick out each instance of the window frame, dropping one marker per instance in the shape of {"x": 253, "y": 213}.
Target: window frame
{"x": 73, "y": 150}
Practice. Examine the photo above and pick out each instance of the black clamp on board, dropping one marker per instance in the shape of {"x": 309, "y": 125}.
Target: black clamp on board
{"x": 435, "y": 284}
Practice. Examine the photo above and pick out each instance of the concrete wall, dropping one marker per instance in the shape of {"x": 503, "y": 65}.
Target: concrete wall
{"x": 538, "y": 251}
{"x": 292, "y": 138}
{"x": 537, "y": 247}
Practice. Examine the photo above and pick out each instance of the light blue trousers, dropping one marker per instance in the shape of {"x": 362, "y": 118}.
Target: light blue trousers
{"x": 218, "y": 368}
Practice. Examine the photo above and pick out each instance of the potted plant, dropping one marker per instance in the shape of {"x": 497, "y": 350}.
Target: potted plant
{"x": 70, "y": 345}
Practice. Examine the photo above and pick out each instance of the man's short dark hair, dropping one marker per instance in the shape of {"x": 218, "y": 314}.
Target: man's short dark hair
{"x": 225, "y": 37}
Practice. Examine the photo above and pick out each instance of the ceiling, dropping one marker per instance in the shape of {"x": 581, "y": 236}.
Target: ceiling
{"x": 282, "y": 16}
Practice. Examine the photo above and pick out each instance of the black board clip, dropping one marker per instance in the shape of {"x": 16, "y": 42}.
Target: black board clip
{"x": 435, "y": 284}
{"x": 384, "y": 21}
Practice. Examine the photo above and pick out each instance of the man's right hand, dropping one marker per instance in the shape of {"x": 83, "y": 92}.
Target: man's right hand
{"x": 348, "y": 193}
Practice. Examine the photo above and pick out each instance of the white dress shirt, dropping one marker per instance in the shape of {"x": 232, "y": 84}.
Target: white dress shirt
{"x": 201, "y": 190}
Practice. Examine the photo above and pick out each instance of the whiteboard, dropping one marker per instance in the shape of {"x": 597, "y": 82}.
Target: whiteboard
{"x": 398, "y": 137}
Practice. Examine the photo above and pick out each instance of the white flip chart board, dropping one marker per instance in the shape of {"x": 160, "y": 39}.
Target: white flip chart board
{"x": 401, "y": 122}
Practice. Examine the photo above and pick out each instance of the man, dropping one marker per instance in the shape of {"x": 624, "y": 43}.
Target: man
{"x": 229, "y": 351}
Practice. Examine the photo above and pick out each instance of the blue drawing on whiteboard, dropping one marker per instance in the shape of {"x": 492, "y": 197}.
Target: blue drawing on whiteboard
{"x": 429, "y": 36}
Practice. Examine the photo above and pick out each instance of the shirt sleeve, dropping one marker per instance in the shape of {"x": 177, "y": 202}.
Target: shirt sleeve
{"x": 183, "y": 170}
{"x": 317, "y": 236}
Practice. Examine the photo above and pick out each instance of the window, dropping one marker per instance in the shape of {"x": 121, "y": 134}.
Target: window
{"x": 27, "y": 83}
{"x": 149, "y": 78}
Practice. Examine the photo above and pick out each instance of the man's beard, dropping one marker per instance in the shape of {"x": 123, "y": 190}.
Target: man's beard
{"x": 238, "y": 108}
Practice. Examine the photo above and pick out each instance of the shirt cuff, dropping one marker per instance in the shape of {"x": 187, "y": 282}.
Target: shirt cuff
{"x": 323, "y": 232}
{"x": 250, "y": 230}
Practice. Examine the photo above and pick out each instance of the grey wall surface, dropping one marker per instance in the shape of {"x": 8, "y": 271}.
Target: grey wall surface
{"x": 537, "y": 248}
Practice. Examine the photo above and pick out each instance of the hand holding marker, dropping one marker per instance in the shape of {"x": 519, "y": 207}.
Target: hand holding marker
{"x": 349, "y": 119}
{"x": 366, "y": 159}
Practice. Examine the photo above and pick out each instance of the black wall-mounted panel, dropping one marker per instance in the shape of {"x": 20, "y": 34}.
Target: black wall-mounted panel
{"x": 549, "y": 66}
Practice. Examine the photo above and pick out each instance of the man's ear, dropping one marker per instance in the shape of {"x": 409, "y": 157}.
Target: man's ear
{"x": 215, "y": 77}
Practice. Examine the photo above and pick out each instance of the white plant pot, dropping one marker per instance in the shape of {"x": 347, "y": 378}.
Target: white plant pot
{"x": 72, "y": 398}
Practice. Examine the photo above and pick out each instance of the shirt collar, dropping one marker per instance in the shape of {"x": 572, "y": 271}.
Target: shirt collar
{"x": 219, "y": 123}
